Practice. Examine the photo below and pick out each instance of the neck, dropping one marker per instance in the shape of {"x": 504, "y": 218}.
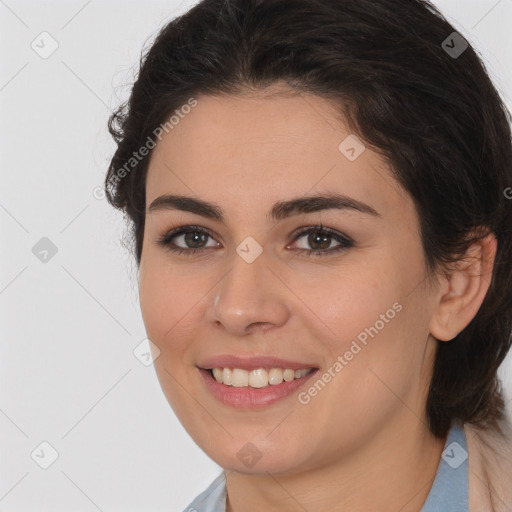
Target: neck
{"x": 394, "y": 471}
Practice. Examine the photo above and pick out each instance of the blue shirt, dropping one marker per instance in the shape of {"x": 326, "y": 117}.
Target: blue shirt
{"x": 449, "y": 491}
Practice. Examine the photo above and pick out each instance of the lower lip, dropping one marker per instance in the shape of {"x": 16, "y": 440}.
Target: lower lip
{"x": 252, "y": 398}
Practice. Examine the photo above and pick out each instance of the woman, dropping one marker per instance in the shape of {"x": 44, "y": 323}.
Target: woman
{"x": 317, "y": 195}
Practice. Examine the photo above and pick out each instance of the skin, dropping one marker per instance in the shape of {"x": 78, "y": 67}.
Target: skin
{"x": 362, "y": 442}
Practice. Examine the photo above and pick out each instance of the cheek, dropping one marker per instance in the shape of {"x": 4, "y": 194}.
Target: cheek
{"x": 165, "y": 302}
{"x": 167, "y": 307}
{"x": 348, "y": 302}
{"x": 372, "y": 320}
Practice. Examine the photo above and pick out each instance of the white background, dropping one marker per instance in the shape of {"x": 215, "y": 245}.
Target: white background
{"x": 68, "y": 327}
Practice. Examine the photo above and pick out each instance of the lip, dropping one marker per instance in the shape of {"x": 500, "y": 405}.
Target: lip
{"x": 252, "y": 398}
{"x": 251, "y": 363}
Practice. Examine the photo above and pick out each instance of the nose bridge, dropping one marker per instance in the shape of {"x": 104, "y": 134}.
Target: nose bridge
{"x": 249, "y": 293}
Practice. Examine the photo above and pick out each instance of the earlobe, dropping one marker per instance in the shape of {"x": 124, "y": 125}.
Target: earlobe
{"x": 464, "y": 289}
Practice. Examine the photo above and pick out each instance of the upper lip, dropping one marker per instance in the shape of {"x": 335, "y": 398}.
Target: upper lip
{"x": 251, "y": 362}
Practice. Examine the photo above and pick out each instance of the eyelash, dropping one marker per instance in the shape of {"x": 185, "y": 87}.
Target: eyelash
{"x": 345, "y": 242}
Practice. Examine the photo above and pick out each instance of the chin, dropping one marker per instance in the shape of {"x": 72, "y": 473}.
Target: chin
{"x": 251, "y": 460}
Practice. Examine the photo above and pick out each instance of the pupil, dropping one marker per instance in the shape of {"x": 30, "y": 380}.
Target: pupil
{"x": 315, "y": 238}
{"x": 193, "y": 236}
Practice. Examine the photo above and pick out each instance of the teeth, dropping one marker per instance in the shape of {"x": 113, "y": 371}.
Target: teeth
{"x": 258, "y": 378}
{"x": 227, "y": 376}
{"x": 288, "y": 375}
{"x": 275, "y": 376}
{"x": 240, "y": 378}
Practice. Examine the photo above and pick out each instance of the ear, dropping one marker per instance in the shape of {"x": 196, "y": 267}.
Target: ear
{"x": 463, "y": 289}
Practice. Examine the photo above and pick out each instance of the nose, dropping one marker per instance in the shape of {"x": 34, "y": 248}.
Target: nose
{"x": 249, "y": 298}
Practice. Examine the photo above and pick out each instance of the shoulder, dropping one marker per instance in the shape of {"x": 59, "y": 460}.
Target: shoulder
{"x": 212, "y": 499}
{"x": 490, "y": 468}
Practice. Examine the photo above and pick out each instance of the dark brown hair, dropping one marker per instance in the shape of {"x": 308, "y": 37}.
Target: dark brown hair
{"x": 434, "y": 115}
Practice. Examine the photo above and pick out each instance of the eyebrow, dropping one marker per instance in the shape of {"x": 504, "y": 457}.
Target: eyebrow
{"x": 280, "y": 210}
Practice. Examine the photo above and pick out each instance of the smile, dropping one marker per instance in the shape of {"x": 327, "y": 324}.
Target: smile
{"x": 257, "y": 378}
{"x": 254, "y": 389}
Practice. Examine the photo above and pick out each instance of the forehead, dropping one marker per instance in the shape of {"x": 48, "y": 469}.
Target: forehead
{"x": 269, "y": 145}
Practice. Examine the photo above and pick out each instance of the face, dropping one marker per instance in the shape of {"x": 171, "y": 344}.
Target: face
{"x": 266, "y": 279}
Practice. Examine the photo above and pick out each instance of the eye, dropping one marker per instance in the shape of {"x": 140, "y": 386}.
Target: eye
{"x": 192, "y": 238}
{"x": 320, "y": 239}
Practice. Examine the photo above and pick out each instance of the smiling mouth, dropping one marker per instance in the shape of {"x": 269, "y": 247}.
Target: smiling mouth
{"x": 257, "y": 378}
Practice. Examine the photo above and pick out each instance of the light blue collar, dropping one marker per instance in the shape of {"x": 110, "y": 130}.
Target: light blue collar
{"x": 449, "y": 492}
